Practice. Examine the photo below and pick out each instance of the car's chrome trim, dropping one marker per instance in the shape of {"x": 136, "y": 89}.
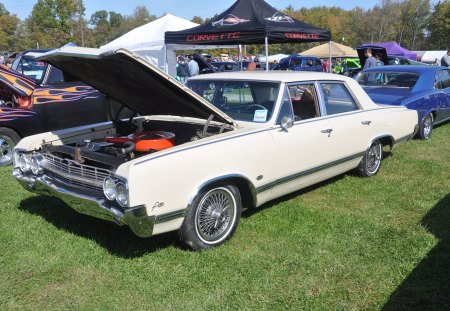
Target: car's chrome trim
{"x": 91, "y": 203}
{"x": 307, "y": 172}
{"x": 170, "y": 216}
{"x": 252, "y": 187}
{"x": 277, "y": 127}
{"x": 201, "y": 145}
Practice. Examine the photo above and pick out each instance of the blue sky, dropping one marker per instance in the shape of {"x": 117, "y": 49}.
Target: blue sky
{"x": 181, "y": 8}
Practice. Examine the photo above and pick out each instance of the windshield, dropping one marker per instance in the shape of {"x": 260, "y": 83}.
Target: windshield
{"x": 387, "y": 79}
{"x": 31, "y": 68}
{"x": 241, "y": 100}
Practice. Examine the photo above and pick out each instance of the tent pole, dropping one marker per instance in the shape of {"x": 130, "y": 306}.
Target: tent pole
{"x": 329, "y": 54}
{"x": 240, "y": 57}
{"x": 267, "y": 53}
{"x": 166, "y": 69}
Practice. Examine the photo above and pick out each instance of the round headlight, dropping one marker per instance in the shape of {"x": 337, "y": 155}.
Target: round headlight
{"x": 109, "y": 188}
{"x": 121, "y": 194}
{"x": 36, "y": 164}
{"x": 24, "y": 162}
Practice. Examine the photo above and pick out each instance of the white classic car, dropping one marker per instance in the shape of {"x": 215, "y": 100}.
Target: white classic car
{"x": 192, "y": 158}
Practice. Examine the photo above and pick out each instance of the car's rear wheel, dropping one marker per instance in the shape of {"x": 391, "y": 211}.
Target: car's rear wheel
{"x": 371, "y": 161}
{"x": 212, "y": 217}
{"x": 426, "y": 127}
{"x": 8, "y": 140}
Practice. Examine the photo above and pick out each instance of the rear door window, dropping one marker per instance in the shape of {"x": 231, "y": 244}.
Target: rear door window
{"x": 337, "y": 98}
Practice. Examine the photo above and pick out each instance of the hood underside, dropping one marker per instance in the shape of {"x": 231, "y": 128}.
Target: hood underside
{"x": 133, "y": 82}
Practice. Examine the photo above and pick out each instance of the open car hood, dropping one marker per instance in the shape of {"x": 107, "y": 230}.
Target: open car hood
{"x": 203, "y": 65}
{"x": 127, "y": 78}
{"x": 376, "y": 49}
{"x": 16, "y": 81}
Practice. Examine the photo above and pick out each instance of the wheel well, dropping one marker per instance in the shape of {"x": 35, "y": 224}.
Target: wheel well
{"x": 246, "y": 189}
{"x": 12, "y": 129}
{"x": 386, "y": 141}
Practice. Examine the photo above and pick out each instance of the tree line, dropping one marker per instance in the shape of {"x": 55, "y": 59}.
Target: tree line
{"x": 414, "y": 24}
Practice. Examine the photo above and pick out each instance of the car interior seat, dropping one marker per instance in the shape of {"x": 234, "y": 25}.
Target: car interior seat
{"x": 305, "y": 107}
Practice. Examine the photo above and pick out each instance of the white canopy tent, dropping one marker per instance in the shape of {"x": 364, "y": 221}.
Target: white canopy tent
{"x": 430, "y": 56}
{"x": 148, "y": 41}
{"x": 273, "y": 58}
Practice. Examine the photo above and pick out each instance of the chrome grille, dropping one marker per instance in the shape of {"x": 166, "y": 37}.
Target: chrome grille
{"x": 75, "y": 172}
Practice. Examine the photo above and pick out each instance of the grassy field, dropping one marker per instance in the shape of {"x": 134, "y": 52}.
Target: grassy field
{"x": 347, "y": 244}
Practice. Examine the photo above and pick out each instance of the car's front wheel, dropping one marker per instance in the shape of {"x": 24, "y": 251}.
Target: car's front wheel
{"x": 426, "y": 127}
{"x": 212, "y": 217}
{"x": 371, "y": 161}
{"x": 8, "y": 140}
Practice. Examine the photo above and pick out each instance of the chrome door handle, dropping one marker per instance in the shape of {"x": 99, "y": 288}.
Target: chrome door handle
{"x": 327, "y": 131}
{"x": 366, "y": 122}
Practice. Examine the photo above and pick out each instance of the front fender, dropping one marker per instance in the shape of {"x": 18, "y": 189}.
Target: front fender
{"x": 24, "y": 122}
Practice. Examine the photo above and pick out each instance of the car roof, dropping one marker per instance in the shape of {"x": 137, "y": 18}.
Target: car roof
{"x": 275, "y": 75}
{"x": 406, "y": 68}
{"x": 34, "y": 52}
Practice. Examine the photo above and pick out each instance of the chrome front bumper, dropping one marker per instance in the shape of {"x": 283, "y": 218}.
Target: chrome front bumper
{"x": 89, "y": 202}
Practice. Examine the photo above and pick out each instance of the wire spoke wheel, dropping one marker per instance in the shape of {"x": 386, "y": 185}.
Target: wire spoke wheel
{"x": 215, "y": 215}
{"x": 374, "y": 155}
{"x": 427, "y": 126}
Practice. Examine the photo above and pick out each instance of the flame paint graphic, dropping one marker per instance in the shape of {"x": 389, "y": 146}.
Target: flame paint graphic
{"x": 68, "y": 94}
{"x": 9, "y": 114}
{"x": 16, "y": 81}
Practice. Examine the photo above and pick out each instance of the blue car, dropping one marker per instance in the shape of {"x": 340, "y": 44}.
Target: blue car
{"x": 422, "y": 88}
{"x": 299, "y": 63}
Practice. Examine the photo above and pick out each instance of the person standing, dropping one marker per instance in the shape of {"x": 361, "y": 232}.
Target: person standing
{"x": 370, "y": 60}
{"x": 445, "y": 60}
{"x": 193, "y": 67}
{"x": 183, "y": 71}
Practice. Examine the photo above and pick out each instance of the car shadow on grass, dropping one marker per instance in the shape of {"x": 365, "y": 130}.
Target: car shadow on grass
{"x": 118, "y": 240}
{"x": 427, "y": 287}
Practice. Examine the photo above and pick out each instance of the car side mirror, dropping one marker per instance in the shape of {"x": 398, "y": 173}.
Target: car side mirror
{"x": 286, "y": 123}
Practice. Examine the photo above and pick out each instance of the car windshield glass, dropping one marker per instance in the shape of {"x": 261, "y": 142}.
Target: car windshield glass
{"x": 31, "y": 68}
{"x": 241, "y": 100}
{"x": 388, "y": 79}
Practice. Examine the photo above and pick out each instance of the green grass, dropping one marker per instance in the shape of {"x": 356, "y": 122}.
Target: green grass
{"x": 347, "y": 244}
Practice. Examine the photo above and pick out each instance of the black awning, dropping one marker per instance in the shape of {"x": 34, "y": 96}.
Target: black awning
{"x": 249, "y": 22}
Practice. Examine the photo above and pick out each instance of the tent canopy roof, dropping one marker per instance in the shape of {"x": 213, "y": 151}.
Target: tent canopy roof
{"x": 337, "y": 50}
{"x": 249, "y": 22}
{"x": 149, "y": 36}
{"x": 392, "y": 48}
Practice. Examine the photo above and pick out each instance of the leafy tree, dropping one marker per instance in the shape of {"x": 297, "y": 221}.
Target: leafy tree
{"x": 56, "y": 22}
{"x": 439, "y": 26}
{"x": 197, "y": 19}
{"x": 8, "y": 29}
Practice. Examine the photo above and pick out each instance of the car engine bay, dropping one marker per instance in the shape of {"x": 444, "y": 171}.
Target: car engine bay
{"x": 133, "y": 140}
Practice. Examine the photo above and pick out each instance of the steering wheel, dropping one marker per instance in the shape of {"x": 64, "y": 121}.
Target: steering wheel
{"x": 256, "y": 106}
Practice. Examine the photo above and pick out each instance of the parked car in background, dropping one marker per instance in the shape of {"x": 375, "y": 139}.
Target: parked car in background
{"x": 37, "y": 97}
{"x": 422, "y": 88}
{"x": 194, "y": 159}
{"x": 347, "y": 66}
{"x": 226, "y": 66}
{"x": 299, "y": 63}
